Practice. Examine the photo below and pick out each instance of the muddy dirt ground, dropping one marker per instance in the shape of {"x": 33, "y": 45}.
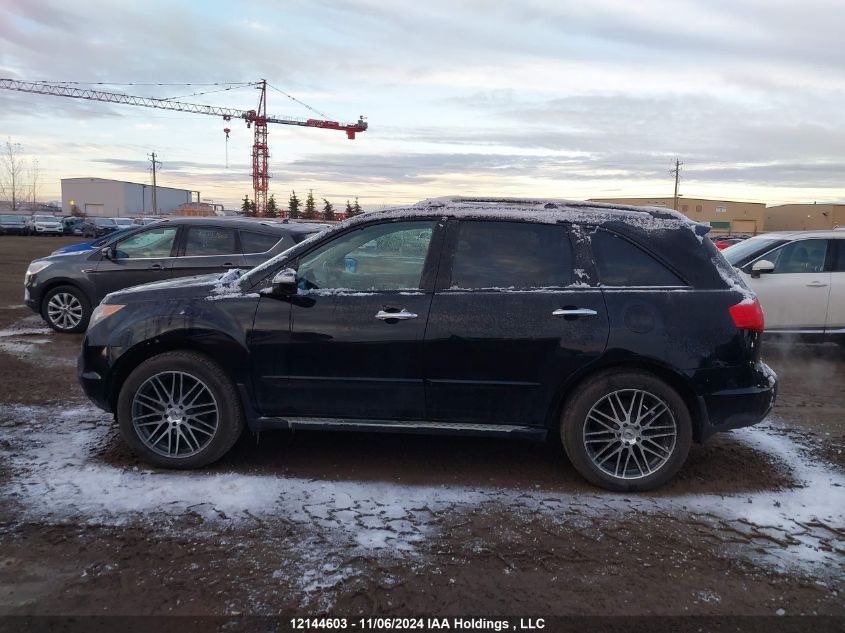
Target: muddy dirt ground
{"x": 311, "y": 523}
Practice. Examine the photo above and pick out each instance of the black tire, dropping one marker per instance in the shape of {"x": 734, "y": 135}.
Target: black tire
{"x": 60, "y": 295}
{"x": 629, "y": 438}
{"x": 229, "y": 414}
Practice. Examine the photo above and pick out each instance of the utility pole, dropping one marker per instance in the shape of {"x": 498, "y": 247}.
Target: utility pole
{"x": 677, "y": 173}
{"x": 154, "y": 162}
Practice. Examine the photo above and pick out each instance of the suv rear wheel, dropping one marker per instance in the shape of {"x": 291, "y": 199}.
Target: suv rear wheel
{"x": 179, "y": 410}
{"x": 66, "y": 309}
{"x": 626, "y": 430}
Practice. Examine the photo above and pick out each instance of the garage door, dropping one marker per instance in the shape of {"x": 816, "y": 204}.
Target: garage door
{"x": 94, "y": 209}
{"x": 744, "y": 226}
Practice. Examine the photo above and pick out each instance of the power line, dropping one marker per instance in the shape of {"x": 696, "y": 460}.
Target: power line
{"x": 292, "y": 98}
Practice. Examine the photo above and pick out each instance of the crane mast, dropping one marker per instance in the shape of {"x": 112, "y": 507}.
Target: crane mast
{"x": 257, "y": 119}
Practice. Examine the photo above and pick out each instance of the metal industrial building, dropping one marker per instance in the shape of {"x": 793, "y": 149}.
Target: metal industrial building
{"x": 727, "y": 216}
{"x": 803, "y": 217}
{"x": 116, "y": 198}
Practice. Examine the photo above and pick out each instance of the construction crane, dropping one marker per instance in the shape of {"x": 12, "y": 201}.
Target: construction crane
{"x": 257, "y": 119}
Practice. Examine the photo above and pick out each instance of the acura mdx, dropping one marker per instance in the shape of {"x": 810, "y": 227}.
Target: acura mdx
{"x": 621, "y": 330}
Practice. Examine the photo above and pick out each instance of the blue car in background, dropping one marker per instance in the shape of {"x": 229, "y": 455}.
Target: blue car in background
{"x": 93, "y": 244}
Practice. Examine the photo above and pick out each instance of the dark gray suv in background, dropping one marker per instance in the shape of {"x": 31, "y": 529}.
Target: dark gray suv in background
{"x": 65, "y": 288}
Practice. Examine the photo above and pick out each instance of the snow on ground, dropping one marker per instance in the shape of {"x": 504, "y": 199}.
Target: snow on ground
{"x": 57, "y": 475}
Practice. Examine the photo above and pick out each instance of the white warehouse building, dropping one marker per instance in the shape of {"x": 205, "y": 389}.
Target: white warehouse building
{"x": 117, "y": 198}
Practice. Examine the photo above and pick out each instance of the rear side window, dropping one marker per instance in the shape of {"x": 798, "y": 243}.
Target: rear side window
{"x": 621, "y": 263}
{"x": 254, "y": 242}
{"x": 511, "y": 255}
{"x": 209, "y": 240}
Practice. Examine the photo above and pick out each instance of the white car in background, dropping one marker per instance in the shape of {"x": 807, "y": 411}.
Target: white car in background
{"x": 45, "y": 225}
{"x": 799, "y": 277}
{"x": 124, "y": 223}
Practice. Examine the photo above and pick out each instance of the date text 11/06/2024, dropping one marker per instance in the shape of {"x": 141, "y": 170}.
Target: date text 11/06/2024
{"x": 419, "y": 624}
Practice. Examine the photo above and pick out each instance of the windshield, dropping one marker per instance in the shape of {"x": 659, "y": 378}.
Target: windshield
{"x": 738, "y": 254}
{"x": 44, "y": 218}
{"x": 11, "y": 219}
{"x": 104, "y": 222}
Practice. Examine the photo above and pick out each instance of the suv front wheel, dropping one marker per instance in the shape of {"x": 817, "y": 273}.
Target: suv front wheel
{"x": 626, "y": 430}
{"x": 179, "y": 410}
{"x": 66, "y": 309}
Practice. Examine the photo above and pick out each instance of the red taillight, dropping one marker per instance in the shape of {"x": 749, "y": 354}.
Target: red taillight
{"x": 748, "y": 315}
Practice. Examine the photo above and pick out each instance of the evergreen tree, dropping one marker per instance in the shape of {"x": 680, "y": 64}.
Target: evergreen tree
{"x": 356, "y": 208}
{"x": 349, "y": 211}
{"x": 310, "y": 209}
{"x": 293, "y": 206}
{"x": 328, "y": 211}
{"x": 247, "y": 208}
{"x": 272, "y": 209}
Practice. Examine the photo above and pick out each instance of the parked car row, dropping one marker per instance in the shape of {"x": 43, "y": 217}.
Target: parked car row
{"x": 45, "y": 224}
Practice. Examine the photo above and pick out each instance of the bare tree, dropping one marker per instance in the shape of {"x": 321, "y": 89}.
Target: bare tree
{"x": 12, "y": 166}
{"x": 34, "y": 184}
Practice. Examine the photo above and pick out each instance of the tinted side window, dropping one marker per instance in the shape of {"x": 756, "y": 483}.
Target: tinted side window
{"x": 254, "y": 242}
{"x": 209, "y": 240}
{"x": 802, "y": 256}
{"x": 152, "y": 243}
{"x": 380, "y": 257}
{"x": 511, "y": 255}
{"x": 621, "y": 263}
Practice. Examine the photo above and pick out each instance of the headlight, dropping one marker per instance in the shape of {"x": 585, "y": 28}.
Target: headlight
{"x": 37, "y": 267}
{"x": 102, "y": 311}
{"x": 34, "y": 267}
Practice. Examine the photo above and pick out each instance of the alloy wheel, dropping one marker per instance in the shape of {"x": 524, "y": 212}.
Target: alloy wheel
{"x": 175, "y": 414}
{"x": 64, "y": 310}
{"x": 630, "y": 434}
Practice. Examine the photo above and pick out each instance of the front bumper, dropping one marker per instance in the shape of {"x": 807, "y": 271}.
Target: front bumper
{"x": 92, "y": 382}
{"x": 733, "y": 406}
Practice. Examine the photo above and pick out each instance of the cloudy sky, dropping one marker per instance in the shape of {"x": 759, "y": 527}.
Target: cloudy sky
{"x": 557, "y": 98}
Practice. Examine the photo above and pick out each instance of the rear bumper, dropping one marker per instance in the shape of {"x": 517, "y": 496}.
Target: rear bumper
{"x": 733, "y": 407}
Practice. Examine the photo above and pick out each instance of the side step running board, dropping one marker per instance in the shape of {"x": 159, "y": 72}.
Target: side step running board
{"x": 403, "y": 426}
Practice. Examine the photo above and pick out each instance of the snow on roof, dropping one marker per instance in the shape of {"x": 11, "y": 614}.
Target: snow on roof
{"x": 545, "y": 210}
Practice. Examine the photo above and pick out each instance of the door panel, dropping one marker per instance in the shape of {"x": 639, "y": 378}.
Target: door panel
{"x": 496, "y": 351}
{"x": 836, "y": 303}
{"x": 795, "y": 295}
{"x": 499, "y": 357}
{"x": 343, "y": 354}
{"x": 139, "y": 259}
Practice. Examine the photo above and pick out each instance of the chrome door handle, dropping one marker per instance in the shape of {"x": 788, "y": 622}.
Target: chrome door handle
{"x": 156, "y": 267}
{"x": 402, "y": 315}
{"x": 574, "y": 312}
{"x": 816, "y": 284}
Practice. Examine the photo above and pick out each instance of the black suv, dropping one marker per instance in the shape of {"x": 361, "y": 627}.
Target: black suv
{"x": 63, "y": 288}
{"x": 623, "y": 329}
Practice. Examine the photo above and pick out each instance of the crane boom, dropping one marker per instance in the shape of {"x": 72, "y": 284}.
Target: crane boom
{"x": 259, "y": 118}
{"x": 168, "y": 104}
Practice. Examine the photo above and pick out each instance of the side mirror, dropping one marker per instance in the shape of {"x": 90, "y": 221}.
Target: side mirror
{"x": 285, "y": 282}
{"x": 107, "y": 253}
{"x": 762, "y": 266}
